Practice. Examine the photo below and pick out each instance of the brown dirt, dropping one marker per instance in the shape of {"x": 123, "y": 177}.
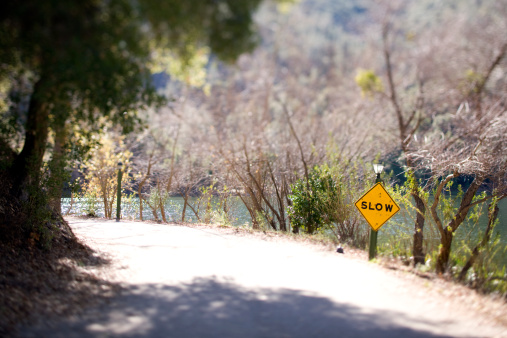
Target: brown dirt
{"x": 37, "y": 283}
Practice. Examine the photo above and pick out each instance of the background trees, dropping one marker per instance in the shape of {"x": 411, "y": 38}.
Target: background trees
{"x": 446, "y": 82}
{"x": 332, "y": 86}
{"x": 407, "y": 83}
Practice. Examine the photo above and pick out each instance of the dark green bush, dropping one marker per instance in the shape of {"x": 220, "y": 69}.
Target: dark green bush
{"x": 311, "y": 199}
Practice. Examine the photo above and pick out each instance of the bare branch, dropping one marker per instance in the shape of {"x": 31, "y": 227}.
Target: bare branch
{"x": 286, "y": 110}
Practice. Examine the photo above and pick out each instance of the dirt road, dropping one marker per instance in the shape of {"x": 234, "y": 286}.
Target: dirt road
{"x": 201, "y": 282}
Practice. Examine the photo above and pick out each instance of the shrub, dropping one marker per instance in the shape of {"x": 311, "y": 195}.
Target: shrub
{"x": 311, "y": 201}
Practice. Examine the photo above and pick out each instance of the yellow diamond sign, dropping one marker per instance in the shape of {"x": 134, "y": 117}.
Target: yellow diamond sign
{"x": 376, "y": 206}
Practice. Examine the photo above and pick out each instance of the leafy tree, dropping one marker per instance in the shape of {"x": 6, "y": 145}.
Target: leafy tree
{"x": 90, "y": 59}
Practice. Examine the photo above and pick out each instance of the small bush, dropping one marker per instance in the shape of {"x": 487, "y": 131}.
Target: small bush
{"x": 311, "y": 200}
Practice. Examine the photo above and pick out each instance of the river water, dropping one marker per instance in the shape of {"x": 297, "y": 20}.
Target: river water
{"x": 400, "y": 227}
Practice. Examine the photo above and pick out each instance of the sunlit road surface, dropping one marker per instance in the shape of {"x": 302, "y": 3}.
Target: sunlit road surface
{"x": 200, "y": 282}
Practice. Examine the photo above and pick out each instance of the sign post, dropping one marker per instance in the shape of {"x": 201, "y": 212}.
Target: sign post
{"x": 377, "y": 207}
{"x": 372, "y": 252}
{"x": 118, "y": 193}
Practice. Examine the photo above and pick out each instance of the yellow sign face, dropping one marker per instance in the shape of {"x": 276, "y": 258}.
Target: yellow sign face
{"x": 376, "y": 206}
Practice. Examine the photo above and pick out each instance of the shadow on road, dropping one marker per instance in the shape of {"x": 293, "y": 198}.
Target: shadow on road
{"x": 208, "y": 307}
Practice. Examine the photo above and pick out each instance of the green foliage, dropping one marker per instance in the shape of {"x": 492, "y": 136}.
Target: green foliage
{"x": 262, "y": 221}
{"x": 395, "y": 238}
{"x": 369, "y": 82}
{"x": 311, "y": 200}
{"x": 396, "y": 243}
{"x": 5, "y": 87}
{"x": 488, "y": 270}
{"x": 38, "y": 226}
{"x": 225, "y": 26}
{"x": 205, "y": 200}
{"x": 89, "y": 202}
{"x": 191, "y": 72}
{"x": 129, "y": 206}
{"x": 352, "y": 179}
{"x": 326, "y": 203}
{"x": 98, "y": 51}
{"x": 101, "y": 173}
{"x": 214, "y": 205}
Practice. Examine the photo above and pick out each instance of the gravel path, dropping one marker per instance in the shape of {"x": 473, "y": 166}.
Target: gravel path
{"x": 184, "y": 281}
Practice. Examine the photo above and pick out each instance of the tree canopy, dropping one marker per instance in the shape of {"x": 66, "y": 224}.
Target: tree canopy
{"x": 79, "y": 62}
{"x": 95, "y": 53}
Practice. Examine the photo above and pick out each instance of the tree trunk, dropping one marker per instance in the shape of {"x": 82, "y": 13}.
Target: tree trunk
{"x": 418, "y": 250}
{"x": 405, "y": 133}
{"x": 185, "y": 203}
{"x": 26, "y": 168}
{"x": 445, "y": 251}
{"x": 454, "y": 223}
{"x": 140, "y": 204}
{"x": 417, "y": 247}
{"x": 184, "y": 210}
{"x": 25, "y": 172}
{"x": 107, "y": 214}
{"x": 255, "y": 225}
{"x": 162, "y": 210}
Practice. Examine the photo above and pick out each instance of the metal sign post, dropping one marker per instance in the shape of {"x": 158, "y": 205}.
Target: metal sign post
{"x": 372, "y": 252}
{"x": 377, "y": 207}
{"x": 118, "y": 196}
